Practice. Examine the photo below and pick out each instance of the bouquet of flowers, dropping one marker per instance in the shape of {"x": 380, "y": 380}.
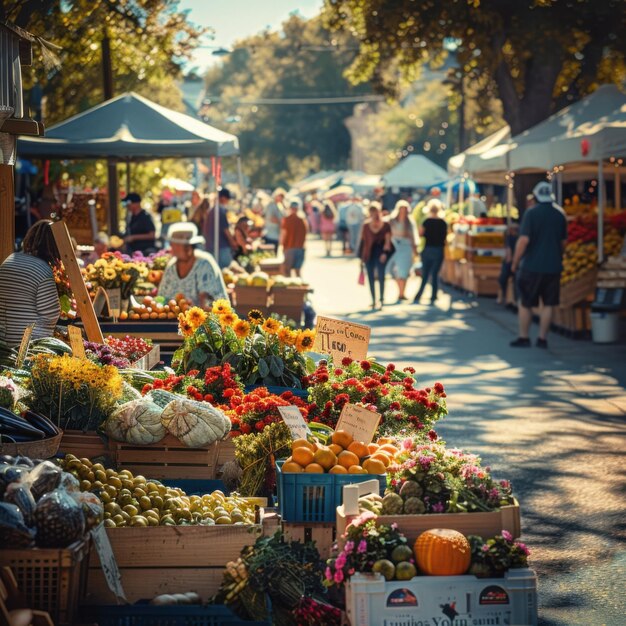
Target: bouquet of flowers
{"x": 64, "y": 289}
{"x": 77, "y": 393}
{"x": 492, "y": 558}
{"x": 394, "y": 395}
{"x": 443, "y": 481}
{"x": 120, "y": 352}
{"x": 111, "y": 271}
{"x": 261, "y": 351}
{"x": 367, "y": 547}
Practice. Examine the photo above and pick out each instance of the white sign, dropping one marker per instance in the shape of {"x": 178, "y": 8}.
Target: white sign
{"x": 341, "y": 339}
{"x": 107, "y": 561}
{"x": 295, "y": 422}
{"x": 360, "y": 422}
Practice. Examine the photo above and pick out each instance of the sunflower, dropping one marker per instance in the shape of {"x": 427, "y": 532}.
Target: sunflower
{"x": 286, "y": 336}
{"x": 185, "y": 328}
{"x": 221, "y": 306}
{"x": 228, "y": 319}
{"x": 109, "y": 274}
{"x": 241, "y": 328}
{"x": 271, "y": 326}
{"x": 305, "y": 340}
{"x": 255, "y": 316}
{"x": 196, "y": 316}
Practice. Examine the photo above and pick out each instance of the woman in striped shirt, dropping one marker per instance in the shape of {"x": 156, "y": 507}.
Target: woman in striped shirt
{"x": 28, "y": 293}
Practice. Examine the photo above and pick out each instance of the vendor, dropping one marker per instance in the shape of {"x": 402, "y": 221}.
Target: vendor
{"x": 192, "y": 272}
{"x": 28, "y": 293}
{"x": 141, "y": 233}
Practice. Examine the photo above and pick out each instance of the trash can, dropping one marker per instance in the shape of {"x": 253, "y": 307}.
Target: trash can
{"x": 604, "y": 326}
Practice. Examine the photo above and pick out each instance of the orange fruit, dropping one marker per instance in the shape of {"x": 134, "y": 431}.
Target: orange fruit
{"x": 356, "y": 469}
{"x": 291, "y": 467}
{"x": 314, "y": 468}
{"x": 342, "y": 438}
{"x": 374, "y": 466}
{"x": 359, "y": 448}
{"x": 325, "y": 457}
{"x": 347, "y": 459}
{"x": 123, "y": 315}
{"x": 299, "y": 443}
{"x": 338, "y": 469}
{"x": 389, "y": 448}
{"x": 383, "y": 440}
{"x": 372, "y": 448}
{"x": 383, "y": 458}
{"x": 302, "y": 455}
{"x": 336, "y": 448}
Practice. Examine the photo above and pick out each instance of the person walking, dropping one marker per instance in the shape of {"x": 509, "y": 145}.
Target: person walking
{"x": 328, "y": 224}
{"x": 141, "y": 232}
{"x": 434, "y": 230}
{"x": 376, "y": 248}
{"x": 292, "y": 237}
{"x": 354, "y": 218}
{"x": 274, "y": 213}
{"x": 405, "y": 238}
{"x": 538, "y": 263}
{"x": 225, "y": 241}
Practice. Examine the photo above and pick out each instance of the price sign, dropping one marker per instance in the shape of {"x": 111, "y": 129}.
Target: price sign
{"x": 341, "y": 339}
{"x": 76, "y": 342}
{"x": 360, "y": 422}
{"x": 107, "y": 561}
{"x": 295, "y": 422}
{"x": 24, "y": 344}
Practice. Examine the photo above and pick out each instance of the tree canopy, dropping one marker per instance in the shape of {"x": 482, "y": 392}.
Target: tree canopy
{"x": 535, "y": 55}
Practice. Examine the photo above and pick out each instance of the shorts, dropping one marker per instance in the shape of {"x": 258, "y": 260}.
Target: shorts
{"x": 294, "y": 258}
{"x": 534, "y": 285}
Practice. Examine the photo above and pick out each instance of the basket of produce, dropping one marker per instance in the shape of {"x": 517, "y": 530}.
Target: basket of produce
{"x": 30, "y": 435}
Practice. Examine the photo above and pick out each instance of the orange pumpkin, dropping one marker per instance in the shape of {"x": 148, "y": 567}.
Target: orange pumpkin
{"x": 442, "y": 552}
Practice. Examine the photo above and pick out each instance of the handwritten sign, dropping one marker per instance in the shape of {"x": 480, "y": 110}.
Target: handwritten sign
{"x": 359, "y": 422}
{"x": 115, "y": 301}
{"x": 101, "y": 303}
{"x": 295, "y": 422}
{"x": 341, "y": 339}
{"x": 24, "y": 344}
{"x": 76, "y": 342}
{"x": 107, "y": 561}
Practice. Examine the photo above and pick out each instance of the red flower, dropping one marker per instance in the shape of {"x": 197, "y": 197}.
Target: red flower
{"x": 338, "y": 371}
{"x": 366, "y": 365}
{"x": 322, "y": 378}
{"x": 192, "y": 373}
{"x": 395, "y": 406}
{"x": 432, "y": 435}
{"x": 209, "y": 398}
{"x": 410, "y": 370}
{"x": 246, "y": 429}
{"x": 260, "y": 425}
{"x": 438, "y": 388}
{"x": 346, "y": 361}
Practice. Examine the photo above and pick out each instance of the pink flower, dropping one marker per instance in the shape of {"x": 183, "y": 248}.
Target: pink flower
{"x": 328, "y": 574}
{"x": 340, "y": 561}
{"x": 506, "y": 535}
{"x": 362, "y": 547}
{"x": 407, "y": 444}
{"x": 522, "y": 548}
{"x": 438, "y": 507}
{"x": 338, "y": 576}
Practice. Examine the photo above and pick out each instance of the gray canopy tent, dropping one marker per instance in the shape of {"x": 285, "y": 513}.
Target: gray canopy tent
{"x": 129, "y": 128}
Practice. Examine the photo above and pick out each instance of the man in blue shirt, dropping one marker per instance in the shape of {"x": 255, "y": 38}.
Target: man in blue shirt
{"x": 538, "y": 263}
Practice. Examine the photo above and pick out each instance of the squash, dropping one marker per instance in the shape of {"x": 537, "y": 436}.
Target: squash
{"x": 137, "y": 421}
{"x": 161, "y": 397}
{"x": 196, "y": 424}
{"x": 442, "y": 552}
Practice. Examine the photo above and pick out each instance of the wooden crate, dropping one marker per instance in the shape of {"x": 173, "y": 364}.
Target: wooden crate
{"x": 150, "y": 360}
{"x": 481, "y": 280}
{"x": 225, "y": 453}
{"x": 246, "y": 298}
{"x": 169, "y": 559}
{"x": 168, "y": 458}
{"x": 579, "y": 290}
{"x": 484, "y": 524}
{"x": 322, "y": 533}
{"x": 83, "y": 444}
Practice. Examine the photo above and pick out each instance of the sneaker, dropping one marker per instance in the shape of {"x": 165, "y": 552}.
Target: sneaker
{"x": 542, "y": 343}
{"x": 520, "y": 342}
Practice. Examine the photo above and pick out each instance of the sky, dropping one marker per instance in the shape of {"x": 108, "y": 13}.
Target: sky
{"x": 235, "y": 19}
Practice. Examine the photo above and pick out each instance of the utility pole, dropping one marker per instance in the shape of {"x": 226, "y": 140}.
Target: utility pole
{"x": 107, "y": 83}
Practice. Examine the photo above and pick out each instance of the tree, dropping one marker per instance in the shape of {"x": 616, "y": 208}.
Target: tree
{"x": 536, "y": 55}
{"x": 281, "y": 142}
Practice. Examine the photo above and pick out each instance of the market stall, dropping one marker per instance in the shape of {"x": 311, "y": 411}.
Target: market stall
{"x": 346, "y": 445}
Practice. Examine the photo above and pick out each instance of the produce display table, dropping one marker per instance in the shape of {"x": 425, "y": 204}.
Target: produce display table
{"x": 162, "y": 332}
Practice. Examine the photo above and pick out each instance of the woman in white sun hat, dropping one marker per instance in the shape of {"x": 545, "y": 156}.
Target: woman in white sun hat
{"x": 192, "y": 272}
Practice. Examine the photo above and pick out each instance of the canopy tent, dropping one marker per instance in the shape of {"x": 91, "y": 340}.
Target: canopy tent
{"x": 130, "y": 128}
{"x": 413, "y": 172}
{"x": 466, "y": 162}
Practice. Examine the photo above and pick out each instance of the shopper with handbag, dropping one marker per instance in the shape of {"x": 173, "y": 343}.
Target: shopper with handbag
{"x": 375, "y": 250}
{"x": 405, "y": 238}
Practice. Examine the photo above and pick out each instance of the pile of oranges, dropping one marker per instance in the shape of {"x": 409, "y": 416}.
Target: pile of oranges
{"x": 156, "y": 309}
{"x": 342, "y": 456}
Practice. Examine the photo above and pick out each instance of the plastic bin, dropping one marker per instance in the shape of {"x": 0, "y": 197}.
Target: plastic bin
{"x": 315, "y": 497}
{"x": 443, "y": 600}
{"x": 143, "y": 614}
{"x": 604, "y": 326}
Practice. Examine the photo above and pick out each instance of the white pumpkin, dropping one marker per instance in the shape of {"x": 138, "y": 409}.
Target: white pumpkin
{"x": 196, "y": 424}
{"x": 137, "y": 421}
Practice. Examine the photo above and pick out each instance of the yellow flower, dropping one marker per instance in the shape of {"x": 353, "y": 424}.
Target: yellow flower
{"x": 109, "y": 274}
{"x": 286, "y": 336}
{"x": 125, "y": 277}
{"x": 221, "y": 306}
{"x": 305, "y": 340}
{"x": 228, "y": 319}
{"x": 271, "y": 326}
{"x": 184, "y": 327}
{"x": 256, "y": 317}
{"x": 196, "y": 316}
{"x": 241, "y": 328}
{"x": 100, "y": 263}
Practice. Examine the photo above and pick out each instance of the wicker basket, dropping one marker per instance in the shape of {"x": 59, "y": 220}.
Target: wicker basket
{"x": 42, "y": 449}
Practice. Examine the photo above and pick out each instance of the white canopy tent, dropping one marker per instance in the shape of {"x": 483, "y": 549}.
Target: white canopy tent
{"x": 414, "y": 172}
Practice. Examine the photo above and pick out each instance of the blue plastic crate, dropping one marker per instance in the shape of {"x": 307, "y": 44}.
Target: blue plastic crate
{"x": 143, "y": 614}
{"x": 315, "y": 497}
{"x": 300, "y": 393}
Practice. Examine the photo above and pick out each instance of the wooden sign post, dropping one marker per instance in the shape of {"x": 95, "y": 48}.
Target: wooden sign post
{"x": 81, "y": 295}
{"x": 341, "y": 339}
{"x": 360, "y": 422}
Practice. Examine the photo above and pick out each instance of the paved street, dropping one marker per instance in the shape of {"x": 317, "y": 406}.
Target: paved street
{"x": 554, "y": 422}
